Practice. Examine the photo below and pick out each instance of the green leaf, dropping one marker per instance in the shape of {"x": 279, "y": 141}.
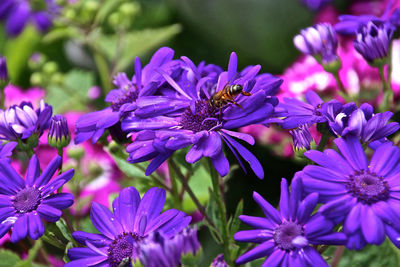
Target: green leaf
{"x": 69, "y": 245}
{"x": 8, "y": 258}
{"x": 19, "y": 50}
{"x": 60, "y": 33}
{"x": 62, "y": 226}
{"x": 190, "y": 260}
{"x": 199, "y": 182}
{"x": 135, "y": 44}
{"x": 371, "y": 256}
{"x": 234, "y": 221}
{"x": 73, "y": 94}
{"x": 106, "y": 9}
{"x": 33, "y": 252}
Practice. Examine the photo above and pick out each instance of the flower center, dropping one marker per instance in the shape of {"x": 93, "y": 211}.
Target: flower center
{"x": 368, "y": 187}
{"x": 204, "y": 118}
{"x": 27, "y": 200}
{"x": 128, "y": 97}
{"x": 285, "y": 233}
{"x": 122, "y": 249}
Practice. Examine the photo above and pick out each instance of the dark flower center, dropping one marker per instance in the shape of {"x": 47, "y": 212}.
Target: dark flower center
{"x": 285, "y": 233}
{"x": 204, "y": 117}
{"x": 368, "y": 187}
{"x": 27, "y": 200}
{"x": 122, "y": 249}
{"x": 130, "y": 96}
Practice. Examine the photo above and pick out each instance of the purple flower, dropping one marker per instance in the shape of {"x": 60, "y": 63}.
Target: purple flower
{"x": 3, "y": 70}
{"x": 360, "y": 122}
{"x": 157, "y": 250}
{"x": 145, "y": 82}
{"x": 373, "y": 42}
{"x": 6, "y": 150}
{"x": 320, "y": 41}
{"x": 350, "y": 24}
{"x": 298, "y": 113}
{"x": 315, "y": 4}
{"x": 24, "y": 202}
{"x": 133, "y": 220}
{"x": 286, "y": 236}
{"x": 21, "y": 122}
{"x": 186, "y": 116}
{"x": 361, "y": 193}
{"x": 301, "y": 138}
{"x": 219, "y": 261}
{"x": 17, "y": 13}
{"x": 58, "y": 135}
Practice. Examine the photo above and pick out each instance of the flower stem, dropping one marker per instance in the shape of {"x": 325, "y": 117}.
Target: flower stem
{"x": 222, "y": 214}
{"x": 337, "y": 256}
{"x": 189, "y": 190}
{"x": 339, "y": 83}
{"x": 323, "y": 142}
{"x": 102, "y": 67}
{"x": 387, "y": 91}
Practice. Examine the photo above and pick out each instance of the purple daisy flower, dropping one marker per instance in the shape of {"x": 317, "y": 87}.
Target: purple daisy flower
{"x": 361, "y": 193}
{"x": 146, "y": 81}
{"x": 17, "y": 13}
{"x": 360, "y": 122}
{"x": 286, "y": 236}
{"x": 157, "y": 250}
{"x": 373, "y": 42}
{"x": 133, "y": 220}
{"x": 6, "y": 150}
{"x": 298, "y": 113}
{"x": 23, "y": 203}
{"x": 320, "y": 41}
{"x": 21, "y": 122}
{"x": 188, "y": 117}
{"x": 350, "y": 24}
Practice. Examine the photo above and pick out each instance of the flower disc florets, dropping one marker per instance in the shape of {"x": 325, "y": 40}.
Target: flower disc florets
{"x": 122, "y": 247}
{"x": 27, "y": 199}
{"x": 368, "y": 187}
{"x": 204, "y": 118}
{"x": 285, "y": 233}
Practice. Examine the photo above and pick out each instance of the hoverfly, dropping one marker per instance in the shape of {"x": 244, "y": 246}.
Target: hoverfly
{"x": 227, "y": 95}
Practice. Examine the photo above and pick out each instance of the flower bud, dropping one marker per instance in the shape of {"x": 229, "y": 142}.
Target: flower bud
{"x": 301, "y": 139}
{"x": 58, "y": 135}
{"x": 3, "y": 71}
{"x": 319, "y": 41}
{"x": 373, "y": 42}
{"x": 219, "y": 261}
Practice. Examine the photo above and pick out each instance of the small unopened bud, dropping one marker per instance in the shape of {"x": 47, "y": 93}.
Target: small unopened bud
{"x": 3, "y": 71}
{"x": 58, "y": 135}
{"x": 219, "y": 261}
{"x": 301, "y": 139}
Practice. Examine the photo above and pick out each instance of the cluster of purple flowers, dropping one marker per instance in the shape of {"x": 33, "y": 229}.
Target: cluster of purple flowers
{"x": 167, "y": 107}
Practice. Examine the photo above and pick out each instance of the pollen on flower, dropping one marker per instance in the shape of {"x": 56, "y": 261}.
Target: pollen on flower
{"x": 121, "y": 248}
{"x": 285, "y": 233}
{"x": 204, "y": 117}
{"x": 129, "y": 97}
{"x": 27, "y": 200}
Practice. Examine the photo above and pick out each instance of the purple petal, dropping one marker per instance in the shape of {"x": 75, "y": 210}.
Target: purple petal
{"x": 260, "y": 251}
{"x": 275, "y": 259}
{"x": 149, "y": 208}
{"x": 372, "y": 226}
{"x": 243, "y": 136}
{"x": 35, "y": 226}
{"x": 57, "y": 182}
{"x": 269, "y": 211}
{"x": 96, "y": 239}
{"x": 306, "y": 207}
{"x": 232, "y": 66}
{"x": 352, "y": 150}
{"x": 284, "y": 200}
{"x": 33, "y": 171}
{"x": 221, "y": 164}
{"x": 353, "y": 222}
{"x": 59, "y": 201}
{"x": 257, "y": 222}
{"x": 49, "y": 213}
{"x": 255, "y": 236}
{"x": 313, "y": 258}
{"x": 125, "y": 207}
{"x": 47, "y": 173}
{"x": 17, "y": 19}
{"x": 156, "y": 162}
{"x": 105, "y": 221}
{"x": 20, "y": 228}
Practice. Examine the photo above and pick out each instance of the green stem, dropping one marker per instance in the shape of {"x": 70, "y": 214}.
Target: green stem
{"x": 337, "y": 256}
{"x": 2, "y": 95}
{"x": 387, "y": 91}
{"x": 222, "y": 214}
{"x": 339, "y": 82}
{"x": 60, "y": 152}
{"x": 323, "y": 142}
{"x": 189, "y": 190}
{"x": 102, "y": 67}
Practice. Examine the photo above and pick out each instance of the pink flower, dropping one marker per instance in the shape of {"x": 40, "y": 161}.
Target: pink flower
{"x": 15, "y": 95}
